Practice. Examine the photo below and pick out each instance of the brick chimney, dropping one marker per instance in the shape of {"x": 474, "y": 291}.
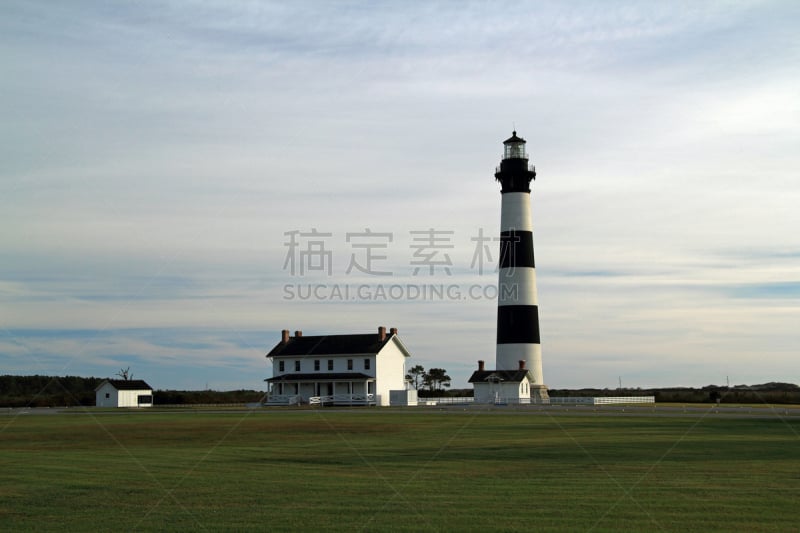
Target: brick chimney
{"x": 522, "y": 364}
{"x": 481, "y": 365}
{"x": 285, "y": 336}
{"x": 298, "y": 333}
{"x": 382, "y": 333}
{"x": 393, "y": 331}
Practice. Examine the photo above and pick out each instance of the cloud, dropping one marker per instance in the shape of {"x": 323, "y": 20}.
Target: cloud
{"x": 155, "y": 155}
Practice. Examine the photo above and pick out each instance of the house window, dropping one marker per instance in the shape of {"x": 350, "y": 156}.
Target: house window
{"x": 366, "y": 364}
{"x": 316, "y": 364}
{"x": 108, "y": 395}
{"x": 330, "y": 364}
{"x": 281, "y": 366}
{"x": 349, "y": 364}
{"x": 297, "y": 366}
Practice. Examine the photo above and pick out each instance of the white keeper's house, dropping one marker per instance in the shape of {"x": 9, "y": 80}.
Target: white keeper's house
{"x": 502, "y": 386}
{"x": 356, "y": 369}
{"x": 123, "y": 393}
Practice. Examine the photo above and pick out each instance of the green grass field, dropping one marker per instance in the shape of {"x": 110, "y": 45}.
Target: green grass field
{"x": 388, "y": 470}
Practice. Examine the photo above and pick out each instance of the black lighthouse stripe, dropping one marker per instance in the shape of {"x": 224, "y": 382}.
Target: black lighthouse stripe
{"x": 516, "y": 249}
{"x": 518, "y": 324}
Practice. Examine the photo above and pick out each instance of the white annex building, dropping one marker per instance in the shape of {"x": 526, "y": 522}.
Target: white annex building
{"x": 123, "y": 393}
{"x": 357, "y": 369}
{"x": 503, "y": 386}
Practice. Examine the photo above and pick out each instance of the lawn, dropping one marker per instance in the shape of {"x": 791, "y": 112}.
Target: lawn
{"x": 389, "y": 470}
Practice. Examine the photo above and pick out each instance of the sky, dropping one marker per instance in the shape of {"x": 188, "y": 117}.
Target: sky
{"x": 180, "y": 181}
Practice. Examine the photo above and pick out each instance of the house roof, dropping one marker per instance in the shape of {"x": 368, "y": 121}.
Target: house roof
{"x": 513, "y": 376}
{"x": 127, "y": 384}
{"x": 320, "y": 376}
{"x": 366, "y": 343}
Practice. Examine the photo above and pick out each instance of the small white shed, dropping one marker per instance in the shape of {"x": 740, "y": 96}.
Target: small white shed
{"x": 124, "y": 393}
{"x": 507, "y": 386}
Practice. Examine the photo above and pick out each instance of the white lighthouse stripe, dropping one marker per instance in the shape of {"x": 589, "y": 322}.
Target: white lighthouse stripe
{"x": 515, "y": 212}
{"x": 509, "y": 355}
{"x": 517, "y": 286}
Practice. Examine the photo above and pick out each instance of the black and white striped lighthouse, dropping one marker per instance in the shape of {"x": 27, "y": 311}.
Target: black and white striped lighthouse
{"x": 517, "y": 303}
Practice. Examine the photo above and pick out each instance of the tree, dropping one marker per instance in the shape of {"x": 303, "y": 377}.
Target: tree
{"x": 416, "y": 376}
{"x": 715, "y": 396}
{"x": 438, "y": 378}
{"x": 427, "y": 381}
{"x": 125, "y": 373}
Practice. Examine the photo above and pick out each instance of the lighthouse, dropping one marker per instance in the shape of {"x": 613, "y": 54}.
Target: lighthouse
{"x": 518, "y": 343}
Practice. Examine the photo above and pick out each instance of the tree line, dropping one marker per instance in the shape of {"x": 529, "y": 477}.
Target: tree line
{"x": 47, "y": 391}
{"x": 769, "y": 393}
{"x": 73, "y": 391}
{"x": 76, "y": 391}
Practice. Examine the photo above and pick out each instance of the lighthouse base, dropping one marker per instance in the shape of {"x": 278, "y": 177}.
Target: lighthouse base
{"x": 539, "y": 394}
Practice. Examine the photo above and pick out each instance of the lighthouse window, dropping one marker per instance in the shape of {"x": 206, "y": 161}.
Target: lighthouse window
{"x": 515, "y": 151}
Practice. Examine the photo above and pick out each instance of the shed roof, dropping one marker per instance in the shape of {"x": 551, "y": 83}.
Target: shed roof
{"x": 126, "y": 384}
{"x": 513, "y": 376}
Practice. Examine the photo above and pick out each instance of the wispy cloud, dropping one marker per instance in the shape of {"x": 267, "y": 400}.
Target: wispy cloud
{"x": 154, "y": 156}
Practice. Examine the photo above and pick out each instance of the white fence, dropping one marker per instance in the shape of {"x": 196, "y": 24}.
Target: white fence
{"x": 283, "y": 399}
{"x": 445, "y": 400}
{"x": 369, "y": 399}
{"x": 343, "y": 399}
{"x": 569, "y": 400}
{"x": 601, "y": 400}
{"x": 332, "y": 399}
